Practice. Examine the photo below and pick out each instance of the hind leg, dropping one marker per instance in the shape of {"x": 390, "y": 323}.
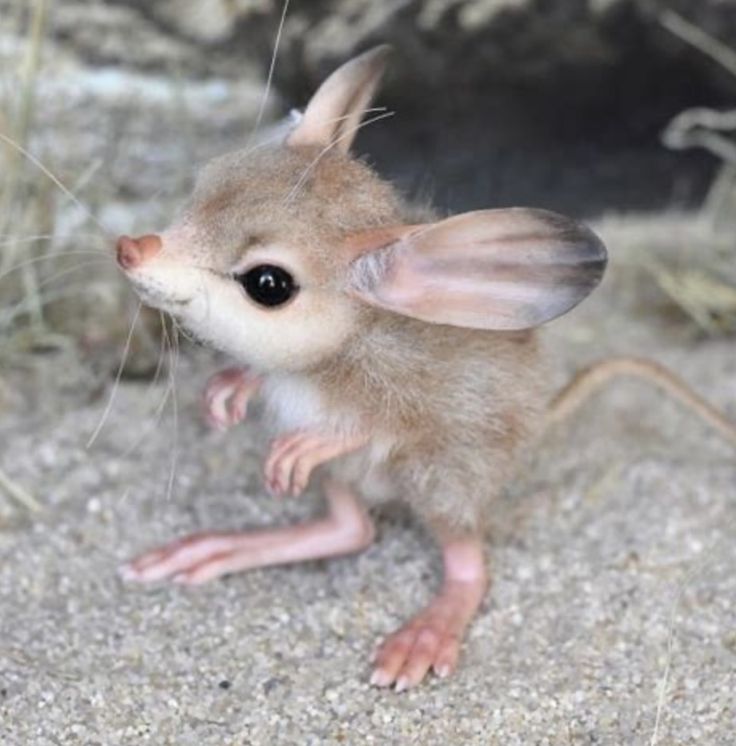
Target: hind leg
{"x": 195, "y": 559}
{"x": 432, "y": 638}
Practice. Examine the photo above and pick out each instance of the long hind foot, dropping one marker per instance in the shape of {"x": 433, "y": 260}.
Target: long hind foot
{"x": 432, "y": 638}
{"x": 195, "y": 559}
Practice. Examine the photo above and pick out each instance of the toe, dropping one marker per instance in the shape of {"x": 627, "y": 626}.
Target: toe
{"x": 447, "y": 655}
{"x": 174, "y": 559}
{"x": 239, "y": 404}
{"x": 420, "y": 658}
{"x": 273, "y": 466}
{"x": 215, "y": 407}
{"x": 301, "y": 472}
{"x": 312, "y": 453}
{"x": 213, "y": 567}
{"x": 391, "y": 657}
{"x": 284, "y": 468}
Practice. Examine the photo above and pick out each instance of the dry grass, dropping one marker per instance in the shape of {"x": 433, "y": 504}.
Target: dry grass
{"x": 34, "y": 257}
{"x": 704, "y": 285}
{"x": 16, "y": 210}
{"x": 22, "y": 202}
{"x": 704, "y": 296}
{"x": 35, "y": 264}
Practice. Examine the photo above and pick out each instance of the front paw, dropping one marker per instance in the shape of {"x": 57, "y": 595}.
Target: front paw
{"x": 226, "y": 396}
{"x": 294, "y": 456}
{"x": 290, "y": 462}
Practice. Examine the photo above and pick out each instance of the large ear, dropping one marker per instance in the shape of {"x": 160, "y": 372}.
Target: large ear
{"x": 335, "y": 111}
{"x": 491, "y": 269}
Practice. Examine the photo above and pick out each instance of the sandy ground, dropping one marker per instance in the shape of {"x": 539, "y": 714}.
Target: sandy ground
{"x": 612, "y": 564}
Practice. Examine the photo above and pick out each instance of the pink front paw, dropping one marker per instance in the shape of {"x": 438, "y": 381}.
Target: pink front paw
{"x": 294, "y": 456}
{"x": 226, "y": 396}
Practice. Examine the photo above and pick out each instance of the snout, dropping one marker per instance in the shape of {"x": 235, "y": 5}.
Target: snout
{"x": 133, "y": 252}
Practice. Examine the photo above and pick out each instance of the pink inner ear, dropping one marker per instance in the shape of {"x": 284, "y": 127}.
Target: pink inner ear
{"x": 511, "y": 268}
{"x": 333, "y": 115}
{"x": 360, "y": 243}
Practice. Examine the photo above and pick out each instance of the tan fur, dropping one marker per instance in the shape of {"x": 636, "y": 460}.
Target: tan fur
{"x": 447, "y": 408}
{"x": 455, "y": 404}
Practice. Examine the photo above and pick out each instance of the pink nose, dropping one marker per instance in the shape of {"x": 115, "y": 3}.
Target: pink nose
{"x": 132, "y": 252}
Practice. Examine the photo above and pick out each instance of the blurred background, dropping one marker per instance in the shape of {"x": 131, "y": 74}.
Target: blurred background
{"x": 618, "y": 112}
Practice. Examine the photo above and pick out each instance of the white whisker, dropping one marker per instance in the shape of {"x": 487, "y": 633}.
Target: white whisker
{"x": 175, "y": 408}
{"x": 271, "y": 68}
{"x": 26, "y": 154}
{"x": 68, "y": 271}
{"x": 8, "y": 239}
{"x": 161, "y": 350}
{"x": 300, "y": 181}
{"x": 119, "y": 375}
{"x": 45, "y": 257}
{"x": 30, "y": 304}
{"x": 159, "y": 409}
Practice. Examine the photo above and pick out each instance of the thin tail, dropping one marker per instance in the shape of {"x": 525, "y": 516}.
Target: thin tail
{"x": 591, "y": 379}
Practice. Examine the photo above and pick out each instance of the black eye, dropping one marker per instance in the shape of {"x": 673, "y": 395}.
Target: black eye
{"x": 268, "y": 284}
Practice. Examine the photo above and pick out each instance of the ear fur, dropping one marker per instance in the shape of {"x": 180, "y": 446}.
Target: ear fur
{"x": 491, "y": 269}
{"x": 334, "y": 112}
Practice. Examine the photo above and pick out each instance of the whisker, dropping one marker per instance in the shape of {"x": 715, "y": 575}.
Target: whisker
{"x": 272, "y": 67}
{"x": 69, "y": 270}
{"x": 7, "y": 239}
{"x": 159, "y": 409}
{"x": 118, "y": 376}
{"x": 25, "y": 263}
{"x": 175, "y": 409}
{"x": 88, "y": 174}
{"x": 180, "y": 330}
{"x": 28, "y": 305}
{"x": 260, "y": 145}
{"x": 166, "y": 344}
{"x": 26, "y": 154}
{"x": 161, "y": 350}
{"x": 293, "y": 191}
{"x": 157, "y": 412}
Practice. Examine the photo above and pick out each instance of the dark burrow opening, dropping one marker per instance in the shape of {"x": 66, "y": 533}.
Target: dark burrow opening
{"x": 579, "y": 138}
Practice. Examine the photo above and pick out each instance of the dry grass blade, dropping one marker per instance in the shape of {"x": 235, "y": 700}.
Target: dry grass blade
{"x": 704, "y": 290}
{"x": 708, "y": 299}
{"x": 700, "y": 39}
{"x": 29, "y": 207}
{"x": 701, "y": 127}
{"x": 19, "y": 494}
{"x": 12, "y": 207}
{"x": 23, "y": 119}
{"x": 697, "y": 567}
{"x": 55, "y": 180}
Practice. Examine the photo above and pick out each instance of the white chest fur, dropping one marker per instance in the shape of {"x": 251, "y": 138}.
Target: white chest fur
{"x": 294, "y": 403}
